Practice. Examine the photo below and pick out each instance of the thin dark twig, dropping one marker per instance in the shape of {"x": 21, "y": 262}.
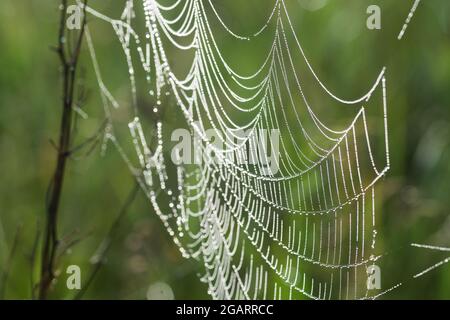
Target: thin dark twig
{"x": 33, "y": 260}
{"x": 69, "y": 64}
{"x": 69, "y": 243}
{"x": 107, "y": 240}
{"x": 8, "y": 264}
{"x": 91, "y": 140}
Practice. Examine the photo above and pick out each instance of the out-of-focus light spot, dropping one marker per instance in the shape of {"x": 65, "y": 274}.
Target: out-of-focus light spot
{"x": 313, "y": 5}
{"x": 432, "y": 146}
{"x": 134, "y": 242}
{"x": 160, "y": 291}
{"x": 344, "y": 27}
{"x": 137, "y": 264}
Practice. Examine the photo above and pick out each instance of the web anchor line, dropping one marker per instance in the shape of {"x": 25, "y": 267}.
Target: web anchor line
{"x": 408, "y": 19}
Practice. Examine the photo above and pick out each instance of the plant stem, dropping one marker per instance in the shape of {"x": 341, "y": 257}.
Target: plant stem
{"x": 69, "y": 68}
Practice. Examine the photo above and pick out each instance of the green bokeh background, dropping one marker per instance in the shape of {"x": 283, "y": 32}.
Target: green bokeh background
{"x": 414, "y": 197}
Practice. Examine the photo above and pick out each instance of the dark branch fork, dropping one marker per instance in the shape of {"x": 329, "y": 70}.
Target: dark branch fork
{"x": 53, "y": 247}
{"x": 69, "y": 64}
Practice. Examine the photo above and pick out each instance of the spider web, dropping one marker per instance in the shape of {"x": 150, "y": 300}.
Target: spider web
{"x": 307, "y": 229}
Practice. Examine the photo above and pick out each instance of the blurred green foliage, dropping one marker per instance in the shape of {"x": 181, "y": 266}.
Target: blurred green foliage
{"x": 414, "y": 197}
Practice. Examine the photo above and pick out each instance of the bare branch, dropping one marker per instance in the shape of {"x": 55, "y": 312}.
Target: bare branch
{"x": 69, "y": 68}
